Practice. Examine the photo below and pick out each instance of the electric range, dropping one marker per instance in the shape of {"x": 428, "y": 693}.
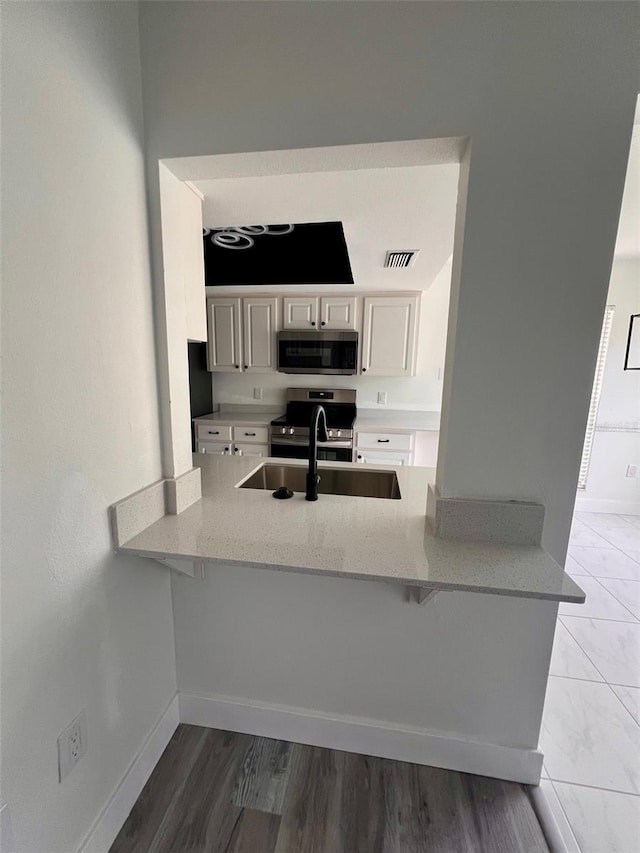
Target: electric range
{"x": 289, "y": 434}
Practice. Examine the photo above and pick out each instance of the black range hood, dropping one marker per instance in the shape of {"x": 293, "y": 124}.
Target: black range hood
{"x": 254, "y": 255}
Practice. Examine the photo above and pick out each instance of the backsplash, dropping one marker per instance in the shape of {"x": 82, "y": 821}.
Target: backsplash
{"x": 418, "y": 392}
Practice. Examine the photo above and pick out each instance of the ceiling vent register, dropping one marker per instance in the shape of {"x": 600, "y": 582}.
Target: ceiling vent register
{"x": 400, "y": 257}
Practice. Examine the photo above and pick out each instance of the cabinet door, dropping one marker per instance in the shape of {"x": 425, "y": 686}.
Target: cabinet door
{"x": 338, "y": 312}
{"x": 389, "y": 335}
{"x": 370, "y": 457}
{"x": 300, "y": 312}
{"x": 260, "y": 323}
{"x": 222, "y": 447}
{"x": 251, "y": 449}
{"x": 224, "y": 345}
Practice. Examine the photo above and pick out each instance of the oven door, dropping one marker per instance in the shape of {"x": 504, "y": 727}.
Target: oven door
{"x": 318, "y": 352}
{"x": 327, "y": 450}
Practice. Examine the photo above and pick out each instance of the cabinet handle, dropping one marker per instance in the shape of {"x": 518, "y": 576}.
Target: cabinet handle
{"x": 364, "y": 369}
{"x": 323, "y": 323}
{"x": 214, "y": 432}
{"x": 359, "y": 457}
{"x": 237, "y": 366}
{"x": 313, "y": 322}
{"x": 245, "y": 367}
{"x": 383, "y": 441}
{"x": 250, "y": 433}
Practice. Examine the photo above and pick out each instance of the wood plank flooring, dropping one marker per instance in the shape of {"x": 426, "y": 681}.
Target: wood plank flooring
{"x": 220, "y": 792}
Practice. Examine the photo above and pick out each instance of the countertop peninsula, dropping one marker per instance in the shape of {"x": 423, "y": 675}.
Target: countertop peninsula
{"x": 343, "y": 536}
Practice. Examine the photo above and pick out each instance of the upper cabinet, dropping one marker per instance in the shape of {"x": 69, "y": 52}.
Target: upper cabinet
{"x": 389, "y": 335}
{"x": 338, "y": 312}
{"x": 224, "y": 343}
{"x": 242, "y": 334}
{"x": 259, "y": 326}
{"x": 242, "y": 330}
{"x": 320, "y": 312}
{"x": 300, "y": 312}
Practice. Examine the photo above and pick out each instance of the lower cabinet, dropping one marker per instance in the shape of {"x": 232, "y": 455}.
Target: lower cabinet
{"x": 232, "y": 439}
{"x": 251, "y": 449}
{"x": 381, "y": 448}
{"x": 370, "y": 457}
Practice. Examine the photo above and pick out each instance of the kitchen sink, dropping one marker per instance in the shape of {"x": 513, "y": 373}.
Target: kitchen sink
{"x": 333, "y": 481}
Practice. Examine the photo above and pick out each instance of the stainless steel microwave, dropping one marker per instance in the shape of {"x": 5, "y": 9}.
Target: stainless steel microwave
{"x": 318, "y": 352}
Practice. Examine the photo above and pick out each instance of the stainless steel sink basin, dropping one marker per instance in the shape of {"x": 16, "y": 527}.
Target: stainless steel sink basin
{"x": 333, "y": 481}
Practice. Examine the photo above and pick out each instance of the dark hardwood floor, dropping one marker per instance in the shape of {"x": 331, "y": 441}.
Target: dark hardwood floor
{"x": 220, "y": 792}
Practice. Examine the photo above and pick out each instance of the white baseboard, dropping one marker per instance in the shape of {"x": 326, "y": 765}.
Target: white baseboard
{"x": 616, "y": 507}
{"x": 108, "y": 824}
{"x": 554, "y": 823}
{"x": 364, "y": 736}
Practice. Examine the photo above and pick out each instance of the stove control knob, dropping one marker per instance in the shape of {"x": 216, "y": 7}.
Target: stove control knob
{"x": 292, "y": 431}
{"x": 283, "y": 430}
{"x": 330, "y": 433}
{"x": 339, "y": 433}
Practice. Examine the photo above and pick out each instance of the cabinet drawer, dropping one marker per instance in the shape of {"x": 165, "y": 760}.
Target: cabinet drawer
{"x": 249, "y": 434}
{"x": 385, "y": 441}
{"x": 213, "y": 432}
{"x": 223, "y": 447}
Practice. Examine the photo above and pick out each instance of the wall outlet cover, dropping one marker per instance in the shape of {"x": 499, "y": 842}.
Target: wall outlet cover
{"x": 632, "y": 470}
{"x": 257, "y": 393}
{"x": 72, "y": 745}
{"x": 382, "y": 398}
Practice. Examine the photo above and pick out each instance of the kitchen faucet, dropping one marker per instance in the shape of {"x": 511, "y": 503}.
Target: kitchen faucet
{"x": 318, "y": 422}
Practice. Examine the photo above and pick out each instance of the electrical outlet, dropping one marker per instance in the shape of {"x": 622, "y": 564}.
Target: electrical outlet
{"x": 632, "y": 470}
{"x": 257, "y": 393}
{"x": 72, "y": 745}
{"x": 382, "y": 398}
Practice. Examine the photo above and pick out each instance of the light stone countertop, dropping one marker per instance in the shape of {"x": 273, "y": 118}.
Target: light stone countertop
{"x": 391, "y": 420}
{"x": 343, "y": 536}
{"x": 243, "y": 416}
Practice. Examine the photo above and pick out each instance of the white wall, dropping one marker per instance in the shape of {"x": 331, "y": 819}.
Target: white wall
{"x": 608, "y": 487}
{"x": 81, "y": 628}
{"x": 550, "y": 131}
{"x": 424, "y": 390}
{"x": 542, "y": 181}
{"x": 345, "y": 648}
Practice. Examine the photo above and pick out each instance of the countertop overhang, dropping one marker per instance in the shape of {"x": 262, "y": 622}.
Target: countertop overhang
{"x": 343, "y": 536}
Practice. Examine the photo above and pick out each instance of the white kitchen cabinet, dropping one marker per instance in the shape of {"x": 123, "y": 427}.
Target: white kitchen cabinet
{"x": 252, "y": 434}
{"x": 211, "y": 431}
{"x": 224, "y": 334}
{"x": 222, "y": 447}
{"x": 250, "y": 449}
{"x": 388, "y": 448}
{"x": 259, "y": 327}
{"x": 371, "y": 457}
{"x": 232, "y": 439}
{"x": 324, "y": 312}
{"x": 338, "y": 312}
{"x": 389, "y": 335}
{"x": 300, "y": 312}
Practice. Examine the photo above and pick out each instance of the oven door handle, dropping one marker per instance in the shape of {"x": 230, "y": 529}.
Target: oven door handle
{"x": 302, "y": 442}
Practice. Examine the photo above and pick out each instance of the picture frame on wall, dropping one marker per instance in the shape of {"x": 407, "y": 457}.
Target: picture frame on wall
{"x": 632, "y": 353}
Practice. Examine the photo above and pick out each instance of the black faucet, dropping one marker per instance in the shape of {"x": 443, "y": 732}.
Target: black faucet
{"x": 318, "y": 422}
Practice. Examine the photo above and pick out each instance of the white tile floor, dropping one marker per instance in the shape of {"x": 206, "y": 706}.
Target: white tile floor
{"x": 591, "y": 726}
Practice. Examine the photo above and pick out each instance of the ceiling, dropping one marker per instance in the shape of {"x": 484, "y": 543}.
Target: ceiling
{"x": 383, "y": 208}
